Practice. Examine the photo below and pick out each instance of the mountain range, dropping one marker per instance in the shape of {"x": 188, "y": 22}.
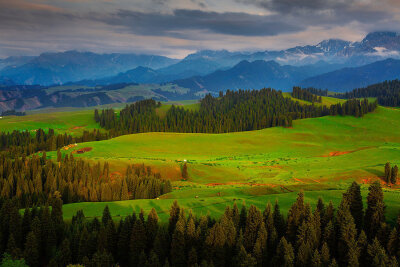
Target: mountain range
{"x": 74, "y": 66}
{"x": 91, "y": 79}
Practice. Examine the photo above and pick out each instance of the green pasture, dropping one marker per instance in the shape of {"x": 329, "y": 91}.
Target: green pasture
{"x": 73, "y": 122}
{"x": 215, "y": 206}
{"x": 320, "y": 156}
{"x": 332, "y": 149}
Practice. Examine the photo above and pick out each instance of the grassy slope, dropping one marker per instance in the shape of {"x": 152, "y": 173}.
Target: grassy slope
{"x": 74, "y": 122}
{"x": 280, "y": 159}
{"x": 275, "y": 155}
{"x": 258, "y": 166}
{"x": 215, "y": 206}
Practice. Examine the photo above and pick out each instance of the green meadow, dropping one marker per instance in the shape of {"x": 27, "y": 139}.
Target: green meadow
{"x": 321, "y": 156}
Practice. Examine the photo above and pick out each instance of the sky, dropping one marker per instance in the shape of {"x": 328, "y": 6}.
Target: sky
{"x": 176, "y": 28}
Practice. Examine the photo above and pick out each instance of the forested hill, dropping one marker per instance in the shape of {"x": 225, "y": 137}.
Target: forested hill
{"x": 387, "y": 93}
{"x": 233, "y": 112}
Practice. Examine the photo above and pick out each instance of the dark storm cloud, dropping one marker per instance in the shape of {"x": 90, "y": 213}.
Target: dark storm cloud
{"x": 325, "y": 12}
{"x": 173, "y": 24}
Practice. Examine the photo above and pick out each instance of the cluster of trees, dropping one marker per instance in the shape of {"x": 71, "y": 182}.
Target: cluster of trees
{"x": 34, "y": 180}
{"x": 241, "y": 110}
{"x": 13, "y": 112}
{"x": 306, "y": 95}
{"x": 25, "y": 142}
{"x": 315, "y": 91}
{"x": 348, "y": 236}
{"x": 391, "y": 173}
{"x": 387, "y": 93}
{"x": 353, "y": 107}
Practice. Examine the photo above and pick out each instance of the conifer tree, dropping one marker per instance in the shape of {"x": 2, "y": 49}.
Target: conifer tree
{"x": 284, "y": 254}
{"x": 387, "y": 172}
{"x": 253, "y": 223}
{"x": 31, "y": 252}
{"x": 377, "y": 254}
{"x": 173, "y": 216}
{"x": 106, "y": 216}
{"x": 279, "y": 221}
{"x": 178, "y": 257}
{"x": 394, "y": 174}
{"x": 185, "y": 174}
{"x": 355, "y": 201}
{"x": 375, "y": 213}
{"x": 347, "y": 232}
{"x": 137, "y": 242}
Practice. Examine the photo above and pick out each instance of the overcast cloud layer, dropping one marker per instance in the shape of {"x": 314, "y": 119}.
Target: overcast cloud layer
{"x": 177, "y": 27}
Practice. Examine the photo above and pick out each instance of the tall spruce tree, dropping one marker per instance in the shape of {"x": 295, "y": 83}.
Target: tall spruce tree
{"x": 375, "y": 213}
{"x": 388, "y": 171}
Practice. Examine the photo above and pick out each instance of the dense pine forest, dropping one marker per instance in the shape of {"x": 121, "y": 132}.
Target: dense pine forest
{"x": 26, "y": 142}
{"x": 346, "y": 236}
{"x": 387, "y": 93}
{"x": 35, "y": 180}
{"x": 241, "y": 110}
{"x": 306, "y": 95}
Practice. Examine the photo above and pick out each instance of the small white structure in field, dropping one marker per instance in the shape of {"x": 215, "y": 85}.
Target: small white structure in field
{"x": 1, "y": 117}
{"x": 184, "y": 160}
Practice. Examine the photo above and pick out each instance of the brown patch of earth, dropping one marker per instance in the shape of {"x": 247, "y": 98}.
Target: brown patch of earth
{"x": 339, "y": 153}
{"x": 82, "y": 150}
{"x": 77, "y": 127}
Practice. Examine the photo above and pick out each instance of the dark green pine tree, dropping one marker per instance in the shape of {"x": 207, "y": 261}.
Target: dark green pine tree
{"x": 377, "y": 255}
{"x": 253, "y": 222}
{"x": 295, "y": 217}
{"x": 102, "y": 259}
{"x": 355, "y": 201}
{"x": 12, "y": 248}
{"x": 375, "y": 213}
{"x": 394, "y": 174}
{"x": 284, "y": 255}
{"x": 325, "y": 255}
{"x": 138, "y": 241}
{"x": 151, "y": 227}
{"x": 31, "y": 252}
{"x": 316, "y": 260}
{"x": 388, "y": 171}
{"x": 173, "y": 216}
{"x": 346, "y": 232}
{"x": 185, "y": 174}
{"x": 279, "y": 221}
{"x": 124, "y": 240}
{"x": 393, "y": 242}
{"x": 64, "y": 253}
{"x": 178, "y": 257}
{"x": 153, "y": 260}
{"x": 106, "y": 216}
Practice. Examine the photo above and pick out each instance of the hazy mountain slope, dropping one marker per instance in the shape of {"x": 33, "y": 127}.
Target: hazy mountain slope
{"x": 349, "y": 78}
{"x": 58, "y": 68}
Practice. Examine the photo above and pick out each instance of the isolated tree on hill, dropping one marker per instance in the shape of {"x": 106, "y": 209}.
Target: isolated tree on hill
{"x": 387, "y": 172}
{"x": 395, "y": 171}
{"x": 185, "y": 173}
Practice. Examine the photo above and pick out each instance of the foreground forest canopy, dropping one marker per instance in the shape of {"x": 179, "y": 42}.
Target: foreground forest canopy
{"x": 348, "y": 235}
{"x": 241, "y": 110}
